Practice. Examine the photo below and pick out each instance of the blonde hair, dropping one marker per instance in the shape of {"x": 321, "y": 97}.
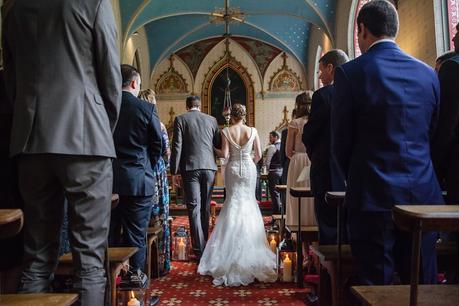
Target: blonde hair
{"x": 238, "y": 112}
{"x": 147, "y": 95}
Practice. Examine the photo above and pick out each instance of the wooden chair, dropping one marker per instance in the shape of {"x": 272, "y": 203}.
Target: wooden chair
{"x": 416, "y": 219}
{"x": 152, "y": 264}
{"x": 310, "y": 232}
{"x": 117, "y": 257}
{"x": 39, "y": 299}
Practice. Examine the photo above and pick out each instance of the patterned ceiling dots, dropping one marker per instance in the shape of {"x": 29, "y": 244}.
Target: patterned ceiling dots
{"x": 173, "y": 25}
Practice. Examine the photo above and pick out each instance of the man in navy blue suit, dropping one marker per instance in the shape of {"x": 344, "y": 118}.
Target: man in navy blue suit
{"x": 316, "y": 138}
{"x": 138, "y": 147}
{"x": 383, "y": 113}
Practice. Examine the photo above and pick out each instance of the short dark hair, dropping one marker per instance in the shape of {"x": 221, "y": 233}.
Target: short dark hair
{"x": 128, "y": 73}
{"x": 445, "y": 56}
{"x": 274, "y": 134}
{"x": 192, "y": 102}
{"x": 380, "y": 18}
{"x": 336, "y": 57}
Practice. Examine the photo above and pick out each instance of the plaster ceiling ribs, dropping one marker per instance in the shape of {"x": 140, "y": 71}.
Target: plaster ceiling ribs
{"x": 173, "y": 25}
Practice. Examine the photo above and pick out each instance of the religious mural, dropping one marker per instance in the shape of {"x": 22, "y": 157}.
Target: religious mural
{"x": 194, "y": 54}
{"x": 262, "y": 53}
{"x": 171, "y": 82}
{"x": 237, "y": 90}
{"x": 285, "y": 79}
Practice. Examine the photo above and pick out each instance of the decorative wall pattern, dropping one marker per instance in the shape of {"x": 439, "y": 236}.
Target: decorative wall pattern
{"x": 193, "y": 55}
{"x": 171, "y": 82}
{"x": 262, "y": 53}
{"x": 285, "y": 79}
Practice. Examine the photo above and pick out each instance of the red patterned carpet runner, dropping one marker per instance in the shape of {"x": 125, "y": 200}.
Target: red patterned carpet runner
{"x": 183, "y": 286}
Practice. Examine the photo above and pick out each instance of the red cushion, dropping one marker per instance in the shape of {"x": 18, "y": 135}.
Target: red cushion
{"x": 264, "y": 204}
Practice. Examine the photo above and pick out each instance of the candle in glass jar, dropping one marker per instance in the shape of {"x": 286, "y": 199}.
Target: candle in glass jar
{"x": 272, "y": 244}
{"x": 287, "y": 273}
{"x": 181, "y": 250}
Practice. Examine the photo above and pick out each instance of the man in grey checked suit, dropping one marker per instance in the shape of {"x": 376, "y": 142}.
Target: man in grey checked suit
{"x": 195, "y": 136}
{"x": 63, "y": 77}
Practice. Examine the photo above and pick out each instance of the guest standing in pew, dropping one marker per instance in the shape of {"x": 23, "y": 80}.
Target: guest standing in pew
{"x": 284, "y": 159}
{"x": 274, "y": 168}
{"x": 445, "y": 144}
{"x": 384, "y": 110}
{"x": 11, "y": 261}
{"x": 138, "y": 148}
{"x": 160, "y": 203}
{"x": 193, "y": 167}
{"x": 443, "y": 58}
{"x": 63, "y": 80}
{"x": 316, "y": 138}
{"x": 296, "y": 152}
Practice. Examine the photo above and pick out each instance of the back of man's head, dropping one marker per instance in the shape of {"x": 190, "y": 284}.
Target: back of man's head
{"x": 443, "y": 58}
{"x": 275, "y": 134}
{"x": 128, "y": 74}
{"x": 380, "y": 18}
{"x": 193, "y": 102}
{"x": 335, "y": 57}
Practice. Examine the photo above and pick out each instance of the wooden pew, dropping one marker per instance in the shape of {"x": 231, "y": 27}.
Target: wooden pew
{"x": 429, "y": 295}
{"x": 152, "y": 263}
{"x": 11, "y": 222}
{"x": 329, "y": 256}
{"x": 302, "y": 192}
{"x": 39, "y": 299}
{"x": 416, "y": 219}
{"x": 117, "y": 257}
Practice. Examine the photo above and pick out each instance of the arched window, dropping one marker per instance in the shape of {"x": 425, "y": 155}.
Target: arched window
{"x": 317, "y": 82}
{"x": 453, "y": 14}
{"x": 356, "y": 8}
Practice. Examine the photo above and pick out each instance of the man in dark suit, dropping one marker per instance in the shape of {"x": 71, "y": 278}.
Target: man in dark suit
{"x": 273, "y": 164}
{"x": 138, "y": 147}
{"x": 384, "y": 109}
{"x": 316, "y": 138}
{"x": 64, "y": 82}
{"x": 445, "y": 144}
{"x": 195, "y": 136}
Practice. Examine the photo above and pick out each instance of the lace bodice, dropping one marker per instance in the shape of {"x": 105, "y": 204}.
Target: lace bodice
{"x": 237, "y": 152}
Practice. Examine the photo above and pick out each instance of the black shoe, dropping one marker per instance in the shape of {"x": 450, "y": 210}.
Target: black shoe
{"x": 154, "y": 300}
{"x": 134, "y": 279}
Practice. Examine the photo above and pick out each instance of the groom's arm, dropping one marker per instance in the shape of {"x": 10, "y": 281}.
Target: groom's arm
{"x": 176, "y": 147}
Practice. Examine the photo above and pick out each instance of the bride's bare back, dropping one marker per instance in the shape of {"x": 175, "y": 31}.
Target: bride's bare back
{"x": 240, "y": 134}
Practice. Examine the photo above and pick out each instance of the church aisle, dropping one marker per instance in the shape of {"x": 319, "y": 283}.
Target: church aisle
{"x": 183, "y": 286}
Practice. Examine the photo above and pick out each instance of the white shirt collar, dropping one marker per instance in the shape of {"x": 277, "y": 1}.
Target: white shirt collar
{"x": 381, "y": 41}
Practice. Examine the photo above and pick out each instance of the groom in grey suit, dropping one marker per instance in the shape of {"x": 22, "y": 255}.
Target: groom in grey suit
{"x": 63, "y": 77}
{"x": 195, "y": 136}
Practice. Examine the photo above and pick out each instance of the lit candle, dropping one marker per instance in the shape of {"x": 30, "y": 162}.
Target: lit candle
{"x": 133, "y": 301}
{"x": 181, "y": 250}
{"x": 272, "y": 244}
{"x": 287, "y": 273}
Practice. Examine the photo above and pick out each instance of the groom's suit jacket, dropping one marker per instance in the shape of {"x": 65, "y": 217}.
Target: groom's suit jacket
{"x": 195, "y": 136}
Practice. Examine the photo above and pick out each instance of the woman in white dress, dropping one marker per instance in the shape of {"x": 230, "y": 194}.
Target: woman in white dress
{"x": 299, "y": 162}
{"x": 237, "y": 252}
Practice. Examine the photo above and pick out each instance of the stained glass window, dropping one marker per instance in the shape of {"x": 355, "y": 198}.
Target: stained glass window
{"x": 453, "y": 14}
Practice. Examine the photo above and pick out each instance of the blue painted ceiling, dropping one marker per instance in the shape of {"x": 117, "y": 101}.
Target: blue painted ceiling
{"x": 174, "y": 24}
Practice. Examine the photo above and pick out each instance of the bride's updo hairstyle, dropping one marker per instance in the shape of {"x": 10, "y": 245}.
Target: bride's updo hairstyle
{"x": 238, "y": 112}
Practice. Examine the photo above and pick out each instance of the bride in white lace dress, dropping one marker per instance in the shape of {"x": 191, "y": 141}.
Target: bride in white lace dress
{"x": 237, "y": 252}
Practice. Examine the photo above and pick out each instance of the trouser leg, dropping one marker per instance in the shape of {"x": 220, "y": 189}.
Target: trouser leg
{"x": 207, "y": 180}
{"x": 326, "y": 219}
{"x": 136, "y": 213}
{"x": 192, "y": 189}
{"x": 43, "y": 214}
{"x": 88, "y": 186}
{"x": 274, "y": 178}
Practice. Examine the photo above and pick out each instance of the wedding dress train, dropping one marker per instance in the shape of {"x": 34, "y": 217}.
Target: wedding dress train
{"x": 237, "y": 252}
